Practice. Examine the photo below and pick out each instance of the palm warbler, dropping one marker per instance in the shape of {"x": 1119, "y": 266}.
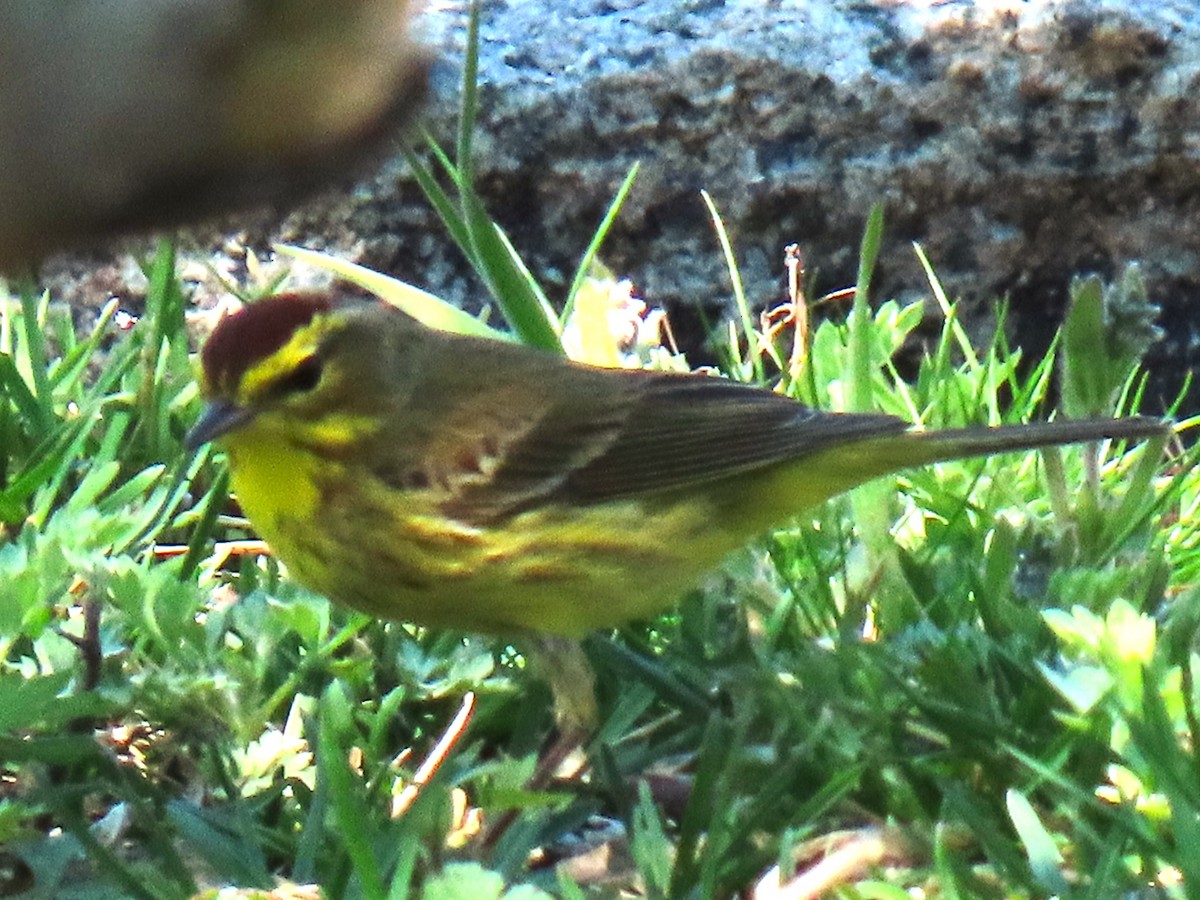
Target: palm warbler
{"x": 458, "y": 481}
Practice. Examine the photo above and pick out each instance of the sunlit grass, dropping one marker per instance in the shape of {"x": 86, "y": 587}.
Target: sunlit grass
{"x": 1015, "y": 697}
{"x": 971, "y": 680}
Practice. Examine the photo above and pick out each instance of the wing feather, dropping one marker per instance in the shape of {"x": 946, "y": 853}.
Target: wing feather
{"x": 622, "y": 434}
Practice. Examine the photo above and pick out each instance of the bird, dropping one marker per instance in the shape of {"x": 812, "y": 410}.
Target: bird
{"x": 462, "y": 482}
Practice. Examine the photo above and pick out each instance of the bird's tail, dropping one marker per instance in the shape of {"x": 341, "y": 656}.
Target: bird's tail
{"x": 923, "y": 447}
{"x": 844, "y": 465}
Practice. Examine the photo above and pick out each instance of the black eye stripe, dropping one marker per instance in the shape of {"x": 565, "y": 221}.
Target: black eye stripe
{"x": 301, "y": 380}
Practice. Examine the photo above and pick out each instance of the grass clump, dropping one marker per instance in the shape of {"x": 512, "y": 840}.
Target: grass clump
{"x": 971, "y": 680}
{"x": 995, "y": 699}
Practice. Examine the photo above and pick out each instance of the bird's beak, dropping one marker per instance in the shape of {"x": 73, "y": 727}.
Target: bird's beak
{"x": 219, "y": 417}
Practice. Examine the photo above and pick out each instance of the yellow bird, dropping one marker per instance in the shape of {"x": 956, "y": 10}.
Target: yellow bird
{"x": 458, "y": 481}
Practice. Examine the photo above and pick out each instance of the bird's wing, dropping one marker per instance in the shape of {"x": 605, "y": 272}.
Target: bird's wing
{"x": 622, "y": 434}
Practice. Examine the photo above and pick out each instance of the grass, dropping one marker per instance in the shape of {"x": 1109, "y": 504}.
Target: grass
{"x": 999, "y": 703}
{"x": 970, "y": 680}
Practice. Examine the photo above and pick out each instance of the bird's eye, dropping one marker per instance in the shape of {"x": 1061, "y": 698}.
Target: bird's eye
{"x": 302, "y": 379}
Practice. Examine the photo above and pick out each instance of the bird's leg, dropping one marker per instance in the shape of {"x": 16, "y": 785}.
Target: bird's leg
{"x": 563, "y": 665}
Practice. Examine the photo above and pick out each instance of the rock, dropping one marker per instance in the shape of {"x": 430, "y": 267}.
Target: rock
{"x": 1019, "y": 143}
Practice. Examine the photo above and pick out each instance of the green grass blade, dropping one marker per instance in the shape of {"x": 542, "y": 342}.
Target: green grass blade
{"x": 593, "y": 248}
{"x": 422, "y": 306}
{"x": 739, "y": 292}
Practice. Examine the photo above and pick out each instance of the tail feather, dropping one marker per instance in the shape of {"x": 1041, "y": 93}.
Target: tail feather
{"x": 813, "y": 478}
{"x": 923, "y": 447}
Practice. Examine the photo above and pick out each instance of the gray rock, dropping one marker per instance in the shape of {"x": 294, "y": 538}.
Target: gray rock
{"x": 1018, "y": 142}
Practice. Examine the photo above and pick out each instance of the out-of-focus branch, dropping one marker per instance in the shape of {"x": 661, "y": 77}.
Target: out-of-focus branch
{"x": 128, "y": 115}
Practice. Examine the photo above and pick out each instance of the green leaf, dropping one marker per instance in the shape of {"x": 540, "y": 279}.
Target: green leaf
{"x": 1044, "y": 857}
{"x": 27, "y": 700}
{"x": 422, "y": 306}
{"x": 464, "y": 881}
{"x": 1086, "y": 384}
{"x": 1107, "y": 331}
{"x": 224, "y": 850}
